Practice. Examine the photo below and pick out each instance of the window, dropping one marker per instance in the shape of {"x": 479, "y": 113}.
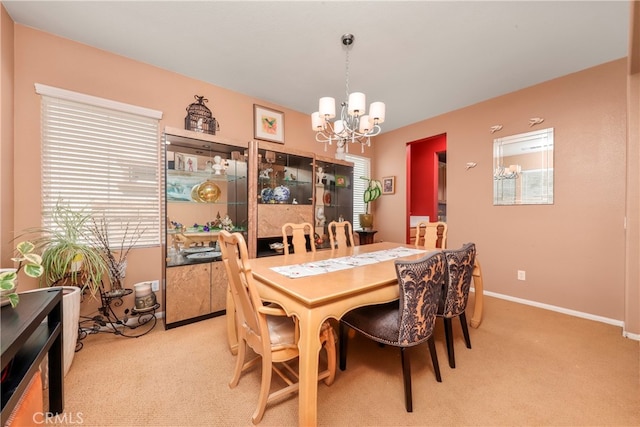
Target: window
{"x": 102, "y": 157}
{"x": 361, "y": 167}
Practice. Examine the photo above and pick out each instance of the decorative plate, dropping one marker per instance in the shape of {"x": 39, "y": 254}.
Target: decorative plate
{"x": 197, "y": 250}
{"x": 204, "y": 255}
{"x": 326, "y": 199}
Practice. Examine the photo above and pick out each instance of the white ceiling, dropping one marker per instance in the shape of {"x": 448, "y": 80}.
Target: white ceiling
{"x": 422, "y": 58}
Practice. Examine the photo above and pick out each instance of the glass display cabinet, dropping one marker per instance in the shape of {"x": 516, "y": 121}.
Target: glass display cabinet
{"x": 333, "y": 195}
{"x": 205, "y": 192}
{"x": 284, "y": 192}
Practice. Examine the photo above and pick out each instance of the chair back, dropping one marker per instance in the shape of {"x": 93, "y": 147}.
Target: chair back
{"x": 420, "y": 284}
{"x": 299, "y": 241}
{"x": 431, "y": 235}
{"x": 460, "y": 265}
{"x": 340, "y": 234}
{"x": 235, "y": 258}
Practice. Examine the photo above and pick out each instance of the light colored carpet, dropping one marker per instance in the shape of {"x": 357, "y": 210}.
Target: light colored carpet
{"x": 528, "y": 366}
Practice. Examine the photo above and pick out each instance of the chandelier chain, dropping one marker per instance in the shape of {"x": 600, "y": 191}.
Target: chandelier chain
{"x": 347, "y": 73}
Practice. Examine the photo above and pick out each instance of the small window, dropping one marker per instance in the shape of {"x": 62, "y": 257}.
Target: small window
{"x": 361, "y": 167}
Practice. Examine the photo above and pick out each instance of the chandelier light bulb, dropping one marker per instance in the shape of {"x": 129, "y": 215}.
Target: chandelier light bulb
{"x": 376, "y": 112}
{"x": 365, "y": 124}
{"x": 357, "y": 103}
{"x": 327, "y": 107}
{"x": 317, "y": 122}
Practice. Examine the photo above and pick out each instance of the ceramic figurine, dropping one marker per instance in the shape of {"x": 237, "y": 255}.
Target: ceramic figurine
{"x": 219, "y": 165}
{"x": 320, "y": 175}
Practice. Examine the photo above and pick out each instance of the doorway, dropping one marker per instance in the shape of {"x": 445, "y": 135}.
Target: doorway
{"x": 426, "y": 181}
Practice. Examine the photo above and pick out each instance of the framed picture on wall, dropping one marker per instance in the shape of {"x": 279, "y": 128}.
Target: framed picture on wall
{"x": 268, "y": 124}
{"x": 388, "y": 184}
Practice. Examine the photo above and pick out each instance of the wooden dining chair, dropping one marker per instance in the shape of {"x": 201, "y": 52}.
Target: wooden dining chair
{"x": 453, "y": 303}
{"x": 340, "y": 234}
{"x": 404, "y": 323}
{"x": 299, "y": 240}
{"x": 431, "y": 235}
{"x": 265, "y": 329}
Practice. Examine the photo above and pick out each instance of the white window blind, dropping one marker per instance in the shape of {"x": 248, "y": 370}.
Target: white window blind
{"x": 361, "y": 167}
{"x": 102, "y": 161}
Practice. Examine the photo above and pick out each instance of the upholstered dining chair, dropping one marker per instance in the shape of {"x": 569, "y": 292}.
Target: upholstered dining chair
{"x": 340, "y": 234}
{"x": 266, "y": 329}
{"x": 431, "y": 235}
{"x": 298, "y": 239}
{"x": 455, "y": 295}
{"x": 404, "y": 323}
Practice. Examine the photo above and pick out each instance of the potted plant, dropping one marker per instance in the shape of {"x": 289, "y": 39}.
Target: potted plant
{"x": 371, "y": 193}
{"x": 68, "y": 257}
{"x": 32, "y": 264}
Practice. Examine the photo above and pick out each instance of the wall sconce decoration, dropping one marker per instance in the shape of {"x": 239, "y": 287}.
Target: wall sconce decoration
{"x": 471, "y": 165}
{"x": 535, "y": 121}
{"x": 495, "y": 128}
{"x": 199, "y": 117}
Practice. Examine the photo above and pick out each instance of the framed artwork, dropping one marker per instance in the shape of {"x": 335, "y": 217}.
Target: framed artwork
{"x": 179, "y": 161}
{"x": 268, "y": 124}
{"x": 190, "y": 163}
{"x": 388, "y": 184}
{"x": 341, "y": 181}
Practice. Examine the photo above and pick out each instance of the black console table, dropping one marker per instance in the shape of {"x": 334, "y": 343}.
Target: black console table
{"x": 25, "y": 340}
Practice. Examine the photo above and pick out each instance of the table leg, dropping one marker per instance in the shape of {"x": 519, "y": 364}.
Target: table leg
{"x": 479, "y": 297}
{"x": 309, "y": 346}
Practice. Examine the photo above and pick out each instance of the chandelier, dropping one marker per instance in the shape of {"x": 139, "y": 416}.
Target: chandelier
{"x": 354, "y": 125}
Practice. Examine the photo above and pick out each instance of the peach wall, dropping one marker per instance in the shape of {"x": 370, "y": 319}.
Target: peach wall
{"x": 6, "y": 136}
{"x": 572, "y": 251}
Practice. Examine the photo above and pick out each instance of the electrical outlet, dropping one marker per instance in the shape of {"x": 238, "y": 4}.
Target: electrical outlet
{"x": 155, "y": 285}
{"x": 522, "y": 275}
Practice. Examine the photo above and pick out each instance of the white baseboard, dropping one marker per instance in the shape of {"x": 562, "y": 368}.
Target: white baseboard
{"x": 563, "y": 310}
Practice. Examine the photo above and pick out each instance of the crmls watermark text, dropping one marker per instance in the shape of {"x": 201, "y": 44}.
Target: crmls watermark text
{"x": 67, "y": 418}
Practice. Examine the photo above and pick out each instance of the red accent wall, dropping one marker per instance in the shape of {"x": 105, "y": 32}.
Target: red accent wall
{"x": 422, "y": 176}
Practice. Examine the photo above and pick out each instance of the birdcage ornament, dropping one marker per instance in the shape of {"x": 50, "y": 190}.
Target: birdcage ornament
{"x": 199, "y": 117}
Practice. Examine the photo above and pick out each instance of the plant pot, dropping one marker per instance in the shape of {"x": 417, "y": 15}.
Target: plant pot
{"x": 71, "y": 297}
{"x": 366, "y": 221}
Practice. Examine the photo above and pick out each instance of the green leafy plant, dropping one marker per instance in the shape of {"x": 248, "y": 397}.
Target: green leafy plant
{"x": 27, "y": 259}
{"x": 68, "y": 257}
{"x": 372, "y": 192}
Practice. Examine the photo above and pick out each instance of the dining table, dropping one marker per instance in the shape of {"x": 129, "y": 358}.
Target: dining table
{"x": 317, "y": 286}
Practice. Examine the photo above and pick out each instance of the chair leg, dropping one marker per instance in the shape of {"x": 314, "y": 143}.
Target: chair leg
{"x": 465, "y": 329}
{"x": 242, "y": 345}
{"x": 434, "y": 358}
{"x": 344, "y": 338}
{"x": 448, "y": 334}
{"x": 265, "y": 385}
{"x": 406, "y": 375}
